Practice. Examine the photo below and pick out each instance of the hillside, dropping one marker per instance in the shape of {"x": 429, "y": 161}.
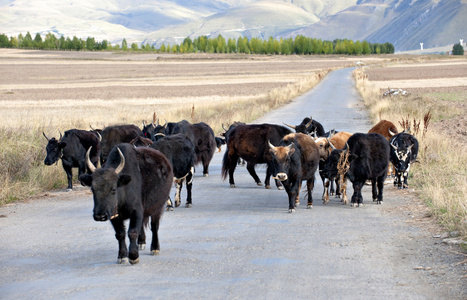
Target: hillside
{"x": 405, "y": 23}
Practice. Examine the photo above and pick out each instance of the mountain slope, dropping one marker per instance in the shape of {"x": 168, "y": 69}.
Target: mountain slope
{"x": 405, "y": 23}
{"x": 261, "y": 19}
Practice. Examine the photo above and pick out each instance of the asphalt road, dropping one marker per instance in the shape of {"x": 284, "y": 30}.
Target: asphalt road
{"x": 238, "y": 243}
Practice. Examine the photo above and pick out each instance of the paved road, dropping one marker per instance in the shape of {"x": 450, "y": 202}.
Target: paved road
{"x": 233, "y": 243}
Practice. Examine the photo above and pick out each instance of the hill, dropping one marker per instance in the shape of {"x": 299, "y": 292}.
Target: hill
{"x": 405, "y": 23}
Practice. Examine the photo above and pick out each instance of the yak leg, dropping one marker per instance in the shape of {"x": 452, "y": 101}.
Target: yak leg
{"x": 205, "y": 160}
{"x": 380, "y": 182}
{"x": 405, "y": 185}
{"x": 332, "y": 191}
{"x": 326, "y": 191}
{"x": 69, "y": 174}
{"x": 136, "y": 222}
{"x": 251, "y": 169}
{"x": 189, "y": 185}
{"x": 142, "y": 238}
{"x": 178, "y": 191}
{"x": 267, "y": 180}
{"x": 155, "y": 247}
{"x": 292, "y": 194}
{"x": 374, "y": 191}
{"x": 232, "y": 165}
{"x": 119, "y": 228}
{"x": 170, "y": 206}
{"x": 310, "y": 185}
{"x": 297, "y": 199}
{"x": 345, "y": 200}
{"x": 357, "y": 198}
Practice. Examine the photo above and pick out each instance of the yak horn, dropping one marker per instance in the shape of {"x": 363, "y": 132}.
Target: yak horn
{"x": 309, "y": 123}
{"x": 271, "y": 145}
{"x": 45, "y": 136}
{"x": 224, "y": 127}
{"x": 122, "y": 162}
{"x": 91, "y": 167}
{"x": 157, "y": 122}
{"x": 144, "y": 124}
{"x": 100, "y": 136}
{"x": 291, "y": 126}
{"x": 159, "y": 134}
{"x": 154, "y": 117}
{"x": 332, "y": 146}
{"x": 407, "y": 130}
{"x": 60, "y": 136}
{"x": 391, "y": 133}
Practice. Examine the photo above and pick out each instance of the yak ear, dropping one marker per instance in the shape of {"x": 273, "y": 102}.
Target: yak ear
{"x": 86, "y": 179}
{"x": 123, "y": 180}
{"x": 62, "y": 145}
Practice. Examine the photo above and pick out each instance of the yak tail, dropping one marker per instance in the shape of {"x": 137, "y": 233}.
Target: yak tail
{"x": 225, "y": 164}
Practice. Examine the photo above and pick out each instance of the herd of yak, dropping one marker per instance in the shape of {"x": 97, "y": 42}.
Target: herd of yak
{"x": 138, "y": 166}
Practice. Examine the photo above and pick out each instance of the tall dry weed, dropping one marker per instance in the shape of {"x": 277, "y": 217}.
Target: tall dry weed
{"x": 440, "y": 176}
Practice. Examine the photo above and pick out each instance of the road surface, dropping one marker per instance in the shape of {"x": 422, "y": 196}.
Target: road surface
{"x": 236, "y": 243}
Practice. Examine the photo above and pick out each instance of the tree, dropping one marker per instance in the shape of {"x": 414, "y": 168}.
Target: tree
{"x": 457, "y": 49}
{"x": 134, "y": 46}
{"x": 366, "y": 48}
{"x": 124, "y": 45}
{"x": 38, "y": 41}
{"x": 90, "y": 43}
{"x": 4, "y": 42}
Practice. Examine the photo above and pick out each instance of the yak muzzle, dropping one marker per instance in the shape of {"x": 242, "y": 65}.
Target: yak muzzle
{"x": 100, "y": 218}
{"x": 281, "y": 177}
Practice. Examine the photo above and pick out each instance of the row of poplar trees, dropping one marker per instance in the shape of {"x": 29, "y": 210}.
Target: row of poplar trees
{"x": 299, "y": 45}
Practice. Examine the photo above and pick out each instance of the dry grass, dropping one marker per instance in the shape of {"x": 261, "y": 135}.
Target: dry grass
{"x": 440, "y": 177}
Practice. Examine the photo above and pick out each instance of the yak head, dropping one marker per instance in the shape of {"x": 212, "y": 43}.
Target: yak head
{"x": 104, "y": 183}
{"x": 54, "y": 150}
{"x": 403, "y": 156}
{"x": 305, "y": 127}
{"x": 330, "y": 169}
{"x": 281, "y": 160}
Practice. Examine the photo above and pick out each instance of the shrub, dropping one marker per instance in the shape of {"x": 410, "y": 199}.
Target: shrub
{"x": 457, "y": 49}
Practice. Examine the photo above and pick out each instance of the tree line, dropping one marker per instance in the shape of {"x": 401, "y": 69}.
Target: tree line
{"x": 300, "y": 45}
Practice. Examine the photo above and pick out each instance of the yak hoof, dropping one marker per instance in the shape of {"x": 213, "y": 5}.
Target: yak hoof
{"x": 123, "y": 260}
{"x": 268, "y": 187}
{"x": 69, "y": 189}
{"x": 360, "y": 205}
{"x": 142, "y": 246}
{"x": 309, "y": 206}
{"x": 134, "y": 261}
{"x": 177, "y": 203}
{"x": 291, "y": 210}
{"x": 155, "y": 252}
{"x": 232, "y": 185}
{"x": 205, "y": 174}
{"x": 189, "y": 205}
{"x": 352, "y": 204}
{"x": 170, "y": 208}
{"x": 259, "y": 184}
{"x": 280, "y": 188}
{"x": 379, "y": 202}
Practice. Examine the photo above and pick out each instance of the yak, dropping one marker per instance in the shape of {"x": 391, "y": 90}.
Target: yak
{"x": 134, "y": 184}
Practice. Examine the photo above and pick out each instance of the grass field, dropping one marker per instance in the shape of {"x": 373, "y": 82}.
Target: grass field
{"x": 435, "y": 110}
